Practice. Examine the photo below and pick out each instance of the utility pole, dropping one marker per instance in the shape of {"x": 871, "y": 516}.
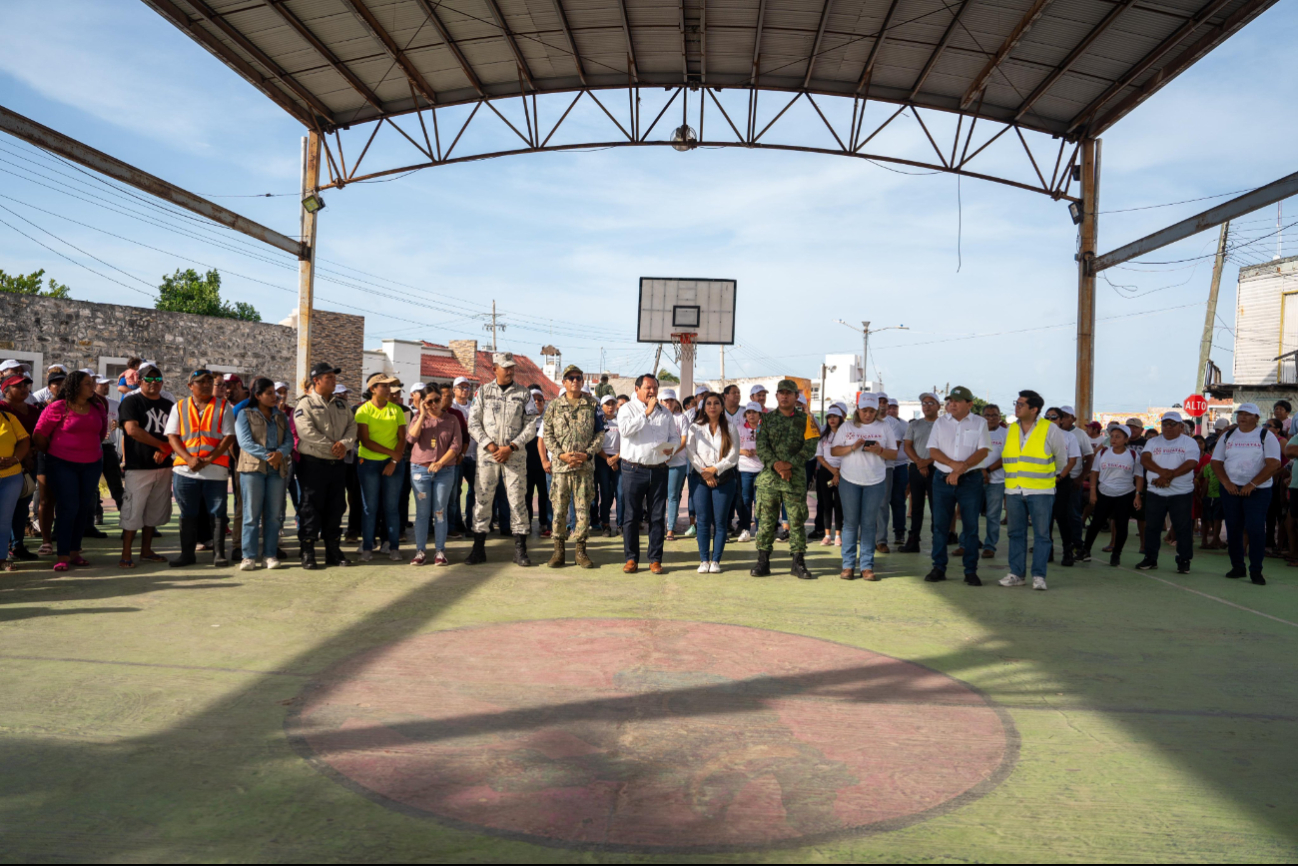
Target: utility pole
{"x": 306, "y": 266}
{"x": 723, "y": 362}
{"x": 658, "y": 357}
{"x": 1210, "y": 317}
{"x": 825, "y": 370}
{"x": 865, "y": 341}
{"x": 1088, "y": 235}
{"x": 493, "y": 327}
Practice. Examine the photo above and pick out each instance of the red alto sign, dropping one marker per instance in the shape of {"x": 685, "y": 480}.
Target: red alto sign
{"x": 1195, "y": 405}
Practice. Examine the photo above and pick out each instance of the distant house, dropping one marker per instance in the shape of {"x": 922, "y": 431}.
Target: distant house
{"x": 1266, "y": 336}
{"x": 421, "y": 361}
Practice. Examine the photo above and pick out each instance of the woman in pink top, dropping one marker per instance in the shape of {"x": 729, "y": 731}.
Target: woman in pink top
{"x": 434, "y": 436}
{"x": 70, "y": 431}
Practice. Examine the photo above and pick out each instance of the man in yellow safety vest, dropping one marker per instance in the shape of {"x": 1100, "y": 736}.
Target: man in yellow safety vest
{"x": 1035, "y": 456}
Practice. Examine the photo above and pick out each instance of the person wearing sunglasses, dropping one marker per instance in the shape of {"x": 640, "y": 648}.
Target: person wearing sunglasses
{"x": 574, "y": 432}
{"x": 146, "y": 502}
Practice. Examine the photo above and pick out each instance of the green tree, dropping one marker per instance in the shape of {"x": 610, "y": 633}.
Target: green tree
{"x": 187, "y": 292}
{"x": 30, "y": 284}
{"x": 665, "y": 375}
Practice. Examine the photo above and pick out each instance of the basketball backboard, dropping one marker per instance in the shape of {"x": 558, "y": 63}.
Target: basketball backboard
{"x": 705, "y": 308}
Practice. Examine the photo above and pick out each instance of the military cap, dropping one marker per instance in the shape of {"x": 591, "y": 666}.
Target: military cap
{"x": 787, "y": 385}
{"x": 503, "y": 359}
{"x": 571, "y": 368}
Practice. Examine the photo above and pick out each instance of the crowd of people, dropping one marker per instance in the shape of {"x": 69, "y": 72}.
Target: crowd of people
{"x": 621, "y": 464}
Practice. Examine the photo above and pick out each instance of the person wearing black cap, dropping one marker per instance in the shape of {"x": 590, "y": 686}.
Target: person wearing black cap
{"x": 326, "y": 430}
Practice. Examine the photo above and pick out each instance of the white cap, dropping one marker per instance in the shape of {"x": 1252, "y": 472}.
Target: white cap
{"x": 10, "y": 364}
{"x": 279, "y": 385}
{"x": 802, "y": 399}
{"x": 418, "y": 386}
{"x": 1221, "y": 424}
{"x": 756, "y": 389}
{"x": 842, "y": 407}
{"x": 103, "y": 380}
{"x": 930, "y": 395}
{"x": 536, "y": 390}
{"x": 1175, "y": 416}
{"x": 608, "y": 398}
{"x": 754, "y": 406}
{"x": 1250, "y": 408}
{"x": 866, "y": 400}
{"x": 1068, "y": 410}
{"x": 585, "y": 389}
{"x": 459, "y": 380}
{"x": 883, "y": 397}
{"x": 836, "y": 409}
{"x": 700, "y": 390}
{"x": 87, "y": 371}
{"x": 341, "y": 389}
{"x": 892, "y": 401}
{"x": 57, "y": 367}
{"x": 667, "y": 394}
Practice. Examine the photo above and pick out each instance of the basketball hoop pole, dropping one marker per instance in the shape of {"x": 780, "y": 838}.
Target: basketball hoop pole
{"x": 686, "y": 342}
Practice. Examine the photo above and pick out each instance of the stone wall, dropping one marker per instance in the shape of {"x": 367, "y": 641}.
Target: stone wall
{"x": 340, "y": 339}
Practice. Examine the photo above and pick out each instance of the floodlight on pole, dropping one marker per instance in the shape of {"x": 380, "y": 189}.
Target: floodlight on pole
{"x": 313, "y": 203}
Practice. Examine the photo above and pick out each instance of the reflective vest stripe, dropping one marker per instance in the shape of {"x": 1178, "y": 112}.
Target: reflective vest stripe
{"x": 1032, "y": 467}
{"x": 196, "y": 430}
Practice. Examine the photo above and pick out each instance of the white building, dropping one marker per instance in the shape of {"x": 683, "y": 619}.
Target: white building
{"x": 1266, "y": 336}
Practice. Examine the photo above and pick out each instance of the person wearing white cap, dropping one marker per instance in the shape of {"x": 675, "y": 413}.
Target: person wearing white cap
{"x": 712, "y": 443}
{"x": 678, "y": 466}
{"x": 44, "y": 396}
{"x": 829, "y": 505}
{"x": 920, "y": 474}
{"x": 1244, "y": 461}
{"x": 757, "y": 394}
{"x": 1169, "y": 461}
{"x": 1081, "y": 469}
{"x": 1115, "y": 489}
{"x": 900, "y": 473}
{"x": 958, "y": 445}
{"x": 864, "y": 443}
{"x": 466, "y": 467}
{"x": 608, "y": 469}
{"x": 750, "y": 466}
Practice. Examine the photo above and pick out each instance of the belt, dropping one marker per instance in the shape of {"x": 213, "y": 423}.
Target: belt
{"x": 644, "y": 465}
{"x": 309, "y": 458}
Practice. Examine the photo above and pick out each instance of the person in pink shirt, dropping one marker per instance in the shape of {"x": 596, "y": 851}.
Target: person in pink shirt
{"x": 69, "y": 432}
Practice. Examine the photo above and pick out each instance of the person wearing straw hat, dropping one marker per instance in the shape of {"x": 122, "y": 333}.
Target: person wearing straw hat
{"x": 1244, "y": 461}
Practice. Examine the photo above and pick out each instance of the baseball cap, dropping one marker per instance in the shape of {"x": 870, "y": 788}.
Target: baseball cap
{"x": 667, "y": 394}
{"x": 608, "y": 398}
{"x": 883, "y": 397}
{"x": 960, "y": 392}
{"x": 418, "y": 386}
{"x": 459, "y": 380}
{"x": 569, "y": 370}
{"x": 1250, "y": 408}
{"x": 340, "y": 389}
{"x": 1135, "y": 422}
{"x": 56, "y": 376}
{"x": 1175, "y": 416}
{"x": 1068, "y": 410}
{"x": 930, "y": 395}
{"x": 754, "y": 406}
{"x": 892, "y": 401}
{"x": 867, "y": 400}
{"x": 88, "y": 371}
{"x": 756, "y": 389}
{"x": 10, "y": 364}
{"x": 537, "y": 391}
{"x": 279, "y": 385}
{"x": 58, "y": 367}
{"x": 786, "y": 385}
{"x": 503, "y": 359}
{"x": 231, "y": 378}
{"x": 103, "y": 380}
{"x": 836, "y": 409}
{"x": 324, "y": 368}
{"x": 382, "y": 379}
{"x": 1221, "y": 424}
{"x": 700, "y": 390}
{"x": 14, "y": 380}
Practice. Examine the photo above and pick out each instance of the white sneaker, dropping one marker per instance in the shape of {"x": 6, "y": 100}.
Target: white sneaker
{"x": 1039, "y": 583}
{"x": 248, "y": 565}
{"x": 745, "y": 536}
{"x": 367, "y": 555}
{"x": 714, "y": 568}
{"x": 1012, "y": 580}
{"x": 703, "y": 568}
{"x": 395, "y": 555}
{"x": 272, "y": 562}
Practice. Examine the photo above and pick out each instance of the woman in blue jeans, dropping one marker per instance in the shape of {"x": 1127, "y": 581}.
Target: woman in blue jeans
{"x": 14, "y": 445}
{"x": 434, "y": 438}
{"x": 381, "y": 434}
{"x": 712, "y": 443}
{"x": 266, "y": 450}
{"x": 865, "y": 443}
{"x": 69, "y": 432}
{"x": 678, "y": 465}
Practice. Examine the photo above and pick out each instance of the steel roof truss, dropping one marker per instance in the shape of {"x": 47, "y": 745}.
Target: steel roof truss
{"x": 509, "y": 39}
{"x": 632, "y": 68}
{"x": 873, "y": 56}
{"x": 815, "y": 45}
{"x": 385, "y": 40}
{"x": 287, "y": 16}
{"x": 572, "y": 43}
{"x": 979, "y": 85}
{"x": 1060, "y": 70}
{"x": 937, "y": 51}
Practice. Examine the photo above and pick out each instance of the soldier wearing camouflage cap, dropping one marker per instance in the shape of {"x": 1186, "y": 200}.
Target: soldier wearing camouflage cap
{"x": 784, "y": 449}
{"x": 502, "y": 420}
{"x": 573, "y": 434}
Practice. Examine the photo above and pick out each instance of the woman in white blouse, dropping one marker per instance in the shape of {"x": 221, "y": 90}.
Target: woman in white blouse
{"x": 750, "y": 466}
{"x": 865, "y": 443}
{"x": 712, "y": 443}
{"x": 1116, "y": 484}
{"x": 829, "y": 508}
{"x": 678, "y": 464}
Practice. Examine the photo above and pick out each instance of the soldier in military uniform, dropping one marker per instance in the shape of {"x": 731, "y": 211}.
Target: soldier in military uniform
{"x": 573, "y": 433}
{"x": 502, "y": 421}
{"x": 783, "y": 448}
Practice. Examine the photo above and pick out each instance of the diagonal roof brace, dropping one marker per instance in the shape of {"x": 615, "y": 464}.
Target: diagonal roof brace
{"x": 370, "y": 23}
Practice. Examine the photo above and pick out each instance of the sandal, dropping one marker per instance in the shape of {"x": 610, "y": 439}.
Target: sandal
{"x": 45, "y": 550}
{"x": 153, "y": 557}
{"x": 126, "y": 563}
{"x": 8, "y": 565}
{"x": 80, "y": 561}
{"x": 62, "y": 566}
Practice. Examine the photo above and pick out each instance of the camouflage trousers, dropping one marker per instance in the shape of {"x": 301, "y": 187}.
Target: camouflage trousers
{"x": 768, "y": 519}
{"x": 513, "y": 474}
{"x": 579, "y": 489}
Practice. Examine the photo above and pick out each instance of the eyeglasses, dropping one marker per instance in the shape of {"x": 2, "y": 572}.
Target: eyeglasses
{"x": 150, "y": 378}
{"x": 1052, "y": 417}
{"x": 573, "y": 378}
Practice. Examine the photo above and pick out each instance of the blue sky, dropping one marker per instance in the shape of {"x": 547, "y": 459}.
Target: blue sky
{"x": 560, "y": 240}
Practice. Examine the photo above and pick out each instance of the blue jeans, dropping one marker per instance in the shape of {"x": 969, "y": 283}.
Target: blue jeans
{"x": 711, "y": 505}
{"x": 432, "y": 496}
{"x": 968, "y": 494}
{"x": 862, "y": 506}
{"x": 900, "y": 483}
{"x": 1243, "y": 514}
{"x": 9, "y": 489}
{"x": 1041, "y": 507}
{"x": 76, "y": 490}
{"x": 748, "y": 495}
{"x": 263, "y": 512}
{"x": 676, "y": 476}
{"x": 994, "y": 496}
{"x": 456, "y": 518}
{"x": 885, "y": 508}
{"x": 380, "y": 491}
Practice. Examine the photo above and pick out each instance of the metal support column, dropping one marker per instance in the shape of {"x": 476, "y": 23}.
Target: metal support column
{"x": 1210, "y": 317}
{"x": 1086, "y": 279}
{"x": 306, "y": 266}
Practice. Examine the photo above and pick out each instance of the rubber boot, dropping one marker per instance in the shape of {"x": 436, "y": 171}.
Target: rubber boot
{"x": 558, "y": 559}
{"x": 334, "y": 553}
{"x": 582, "y": 559}
{"x": 520, "y": 551}
{"x": 308, "y": 556}
{"x": 219, "y": 558}
{"x": 479, "y": 553}
{"x": 763, "y": 566}
{"x": 188, "y": 540}
{"x": 799, "y": 567}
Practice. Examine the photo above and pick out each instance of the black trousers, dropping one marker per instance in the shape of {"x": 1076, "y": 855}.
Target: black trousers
{"x": 536, "y": 484}
{"x": 112, "y": 476}
{"x": 1181, "y": 509}
{"x": 1063, "y": 514}
{"x": 641, "y": 484}
{"x": 1117, "y": 508}
{"x": 355, "y": 509}
{"x": 22, "y": 512}
{"x": 323, "y": 498}
{"x": 829, "y": 509}
{"x": 921, "y": 489}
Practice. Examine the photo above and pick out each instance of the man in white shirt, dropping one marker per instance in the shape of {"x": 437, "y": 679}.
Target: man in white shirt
{"x": 958, "y": 445}
{"x": 1036, "y": 501}
{"x": 894, "y": 482}
{"x": 46, "y": 395}
{"x": 900, "y": 473}
{"x": 1169, "y": 462}
{"x": 112, "y": 473}
{"x": 1063, "y": 513}
{"x": 1081, "y": 469}
{"x": 1245, "y": 460}
{"x": 648, "y": 438}
{"x": 915, "y": 443}
{"x": 757, "y": 394}
{"x": 608, "y": 474}
{"x": 993, "y": 480}
{"x": 465, "y": 469}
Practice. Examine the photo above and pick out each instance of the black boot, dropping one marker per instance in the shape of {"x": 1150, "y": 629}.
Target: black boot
{"x": 308, "y": 555}
{"x": 479, "y": 553}
{"x": 520, "y": 551}
{"x": 800, "y": 567}
{"x": 763, "y": 566}
{"x": 188, "y": 539}
{"x": 334, "y": 554}
{"x": 911, "y": 545}
{"x": 218, "y": 546}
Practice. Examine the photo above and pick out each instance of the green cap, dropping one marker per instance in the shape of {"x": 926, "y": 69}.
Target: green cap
{"x": 571, "y": 368}
{"x": 787, "y": 385}
{"x": 960, "y": 392}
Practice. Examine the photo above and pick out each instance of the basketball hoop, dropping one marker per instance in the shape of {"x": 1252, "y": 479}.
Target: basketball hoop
{"x": 683, "y": 342}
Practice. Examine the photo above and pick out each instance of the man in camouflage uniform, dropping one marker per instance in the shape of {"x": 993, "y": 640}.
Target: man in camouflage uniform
{"x": 573, "y": 434}
{"x": 502, "y": 421}
{"x": 783, "y": 448}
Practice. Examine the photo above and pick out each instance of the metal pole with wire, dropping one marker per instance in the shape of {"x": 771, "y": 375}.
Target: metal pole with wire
{"x": 866, "y": 331}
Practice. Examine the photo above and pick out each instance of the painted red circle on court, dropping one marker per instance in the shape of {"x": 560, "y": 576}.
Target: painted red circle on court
{"x": 652, "y": 734}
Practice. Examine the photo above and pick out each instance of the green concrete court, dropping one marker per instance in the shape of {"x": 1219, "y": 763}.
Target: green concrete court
{"x": 216, "y": 715}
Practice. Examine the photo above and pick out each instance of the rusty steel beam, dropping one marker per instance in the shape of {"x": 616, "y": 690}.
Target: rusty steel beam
{"x": 815, "y": 46}
{"x": 572, "y": 43}
{"x": 370, "y": 23}
{"x": 287, "y": 16}
{"x": 938, "y": 49}
{"x": 55, "y": 142}
{"x": 509, "y": 38}
{"x": 1060, "y": 70}
{"x": 431, "y": 14}
{"x": 632, "y": 67}
{"x": 757, "y": 42}
{"x": 703, "y": 45}
{"x": 874, "y": 49}
{"x": 306, "y": 267}
{"x": 685, "y": 56}
{"x": 1235, "y": 208}
{"x": 1087, "y": 237}
{"x": 1214, "y": 37}
{"x": 1002, "y": 54}
{"x": 182, "y": 21}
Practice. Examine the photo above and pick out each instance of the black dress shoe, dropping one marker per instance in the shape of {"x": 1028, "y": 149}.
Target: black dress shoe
{"x": 93, "y": 532}
{"x": 935, "y": 575}
{"x": 1237, "y": 572}
{"x": 972, "y": 580}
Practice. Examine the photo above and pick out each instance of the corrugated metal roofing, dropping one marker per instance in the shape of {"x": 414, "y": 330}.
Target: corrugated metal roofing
{"x": 335, "y": 63}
